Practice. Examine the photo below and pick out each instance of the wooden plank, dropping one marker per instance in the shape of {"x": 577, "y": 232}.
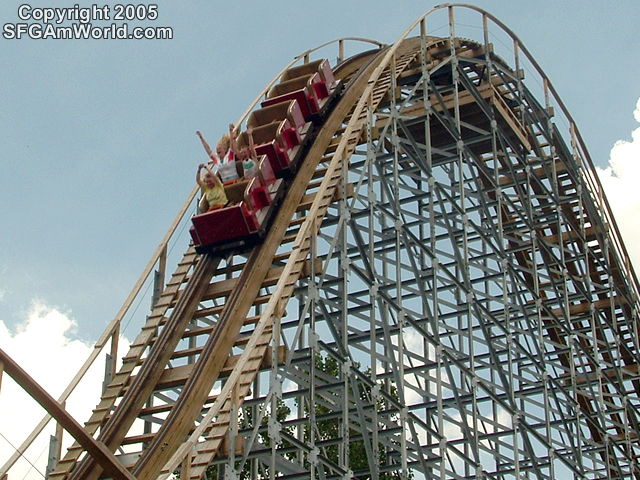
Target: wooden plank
{"x": 570, "y": 236}
{"x": 584, "y": 307}
{"x": 226, "y": 447}
{"x": 538, "y": 172}
{"x": 512, "y": 120}
{"x": 176, "y": 376}
{"x": 115, "y": 430}
{"x": 628, "y": 372}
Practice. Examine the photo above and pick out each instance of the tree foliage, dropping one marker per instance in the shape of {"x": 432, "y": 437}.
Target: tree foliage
{"x": 327, "y": 428}
{"x": 328, "y": 425}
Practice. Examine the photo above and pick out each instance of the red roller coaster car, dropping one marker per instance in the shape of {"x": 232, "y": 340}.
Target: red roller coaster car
{"x": 281, "y": 129}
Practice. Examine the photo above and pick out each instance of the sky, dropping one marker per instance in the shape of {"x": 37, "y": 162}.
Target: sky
{"x": 98, "y": 148}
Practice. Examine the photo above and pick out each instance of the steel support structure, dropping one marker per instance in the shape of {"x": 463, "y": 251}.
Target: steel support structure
{"x": 474, "y": 314}
{"x": 451, "y": 298}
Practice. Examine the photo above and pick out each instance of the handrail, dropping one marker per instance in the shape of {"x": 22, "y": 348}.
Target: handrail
{"x": 111, "y": 329}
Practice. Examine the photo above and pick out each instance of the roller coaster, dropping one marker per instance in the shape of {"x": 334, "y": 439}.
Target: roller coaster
{"x": 442, "y": 292}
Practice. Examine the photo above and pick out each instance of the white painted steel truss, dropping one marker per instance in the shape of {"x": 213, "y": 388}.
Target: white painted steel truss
{"x": 471, "y": 318}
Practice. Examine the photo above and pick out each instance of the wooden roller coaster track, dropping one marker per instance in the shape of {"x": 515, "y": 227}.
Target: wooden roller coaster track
{"x": 241, "y": 292}
{"x": 174, "y": 403}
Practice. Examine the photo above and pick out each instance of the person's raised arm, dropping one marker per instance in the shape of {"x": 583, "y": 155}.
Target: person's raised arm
{"x": 198, "y": 176}
{"x": 216, "y": 178}
{"x": 205, "y": 144}
{"x": 252, "y": 146}
{"x": 232, "y": 136}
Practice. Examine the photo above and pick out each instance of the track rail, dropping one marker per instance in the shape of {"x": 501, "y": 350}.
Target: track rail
{"x": 239, "y": 382}
{"x": 119, "y": 422}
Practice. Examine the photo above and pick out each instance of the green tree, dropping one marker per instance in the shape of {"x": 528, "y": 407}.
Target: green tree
{"x": 328, "y": 425}
{"x": 246, "y": 421}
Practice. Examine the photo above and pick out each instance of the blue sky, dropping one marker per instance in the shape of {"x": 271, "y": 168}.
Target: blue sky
{"x": 97, "y": 137}
{"x": 98, "y": 148}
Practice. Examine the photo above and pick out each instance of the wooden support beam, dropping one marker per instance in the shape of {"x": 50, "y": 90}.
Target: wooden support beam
{"x": 627, "y": 373}
{"x": 224, "y": 288}
{"x": 97, "y": 450}
{"x": 489, "y": 92}
{"x": 582, "y": 308}
{"x": 570, "y": 236}
{"x": 186, "y": 467}
{"x": 308, "y": 199}
{"x": 538, "y": 172}
{"x": 225, "y": 450}
{"x": 439, "y": 54}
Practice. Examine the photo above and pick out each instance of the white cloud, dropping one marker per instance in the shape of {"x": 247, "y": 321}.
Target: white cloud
{"x": 621, "y": 183}
{"x": 44, "y": 346}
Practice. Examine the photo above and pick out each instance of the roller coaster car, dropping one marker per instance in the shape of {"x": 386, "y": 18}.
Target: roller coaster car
{"x": 311, "y": 84}
{"x": 280, "y": 130}
{"x": 243, "y": 221}
{"x": 279, "y": 133}
{"x": 327, "y": 80}
{"x": 293, "y": 132}
{"x": 274, "y": 113}
{"x": 277, "y": 142}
